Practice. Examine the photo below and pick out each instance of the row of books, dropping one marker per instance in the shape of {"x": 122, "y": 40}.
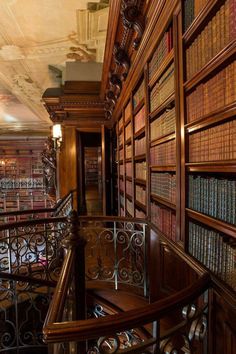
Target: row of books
{"x": 140, "y": 214}
{"x": 121, "y": 185}
{"x": 191, "y": 10}
{"x": 215, "y": 197}
{"x": 140, "y": 194}
{"x": 120, "y": 124}
{"x": 128, "y": 132}
{"x": 128, "y": 151}
{"x": 163, "y": 88}
{"x": 164, "y": 219}
{"x": 121, "y": 154}
{"x": 214, "y": 144}
{"x": 141, "y": 170}
{"x": 164, "y": 185}
{"x": 129, "y": 207}
{"x": 213, "y": 94}
{"x": 217, "y": 34}
{"x": 121, "y": 170}
{"x": 128, "y": 169}
{"x": 129, "y": 188}
{"x": 163, "y": 154}
{"x": 164, "y": 124}
{"x": 128, "y": 112}
{"x": 216, "y": 251}
{"x": 140, "y": 146}
{"x": 120, "y": 138}
{"x": 21, "y": 183}
{"x": 139, "y": 120}
{"x": 164, "y": 47}
{"x": 139, "y": 95}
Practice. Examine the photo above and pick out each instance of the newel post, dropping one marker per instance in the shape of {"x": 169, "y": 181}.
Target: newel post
{"x": 76, "y": 242}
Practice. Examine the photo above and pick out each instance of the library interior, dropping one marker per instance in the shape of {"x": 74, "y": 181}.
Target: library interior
{"x": 118, "y": 176}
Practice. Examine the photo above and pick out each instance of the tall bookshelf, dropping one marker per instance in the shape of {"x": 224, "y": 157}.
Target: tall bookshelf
{"x": 184, "y": 180}
{"x": 209, "y": 81}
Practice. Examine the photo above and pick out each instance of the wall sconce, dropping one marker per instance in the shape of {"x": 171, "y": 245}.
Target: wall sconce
{"x": 57, "y": 136}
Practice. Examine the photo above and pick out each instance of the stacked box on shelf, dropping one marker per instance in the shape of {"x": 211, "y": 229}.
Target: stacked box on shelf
{"x": 164, "y": 124}
{"x": 164, "y": 219}
{"x": 164, "y": 185}
{"x": 163, "y": 154}
{"x": 140, "y": 146}
{"x": 139, "y": 120}
{"x": 163, "y": 88}
{"x": 141, "y": 170}
{"x": 215, "y": 250}
{"x": 220, "y": 30}
{"x": 164, "y": 47}
{"x": 212, "y": 94}
{"x": 139, "y": 95}
{"x": 216, "y": 143}
{"x": 213, "y": 196}
{"x": 140, "y": 194}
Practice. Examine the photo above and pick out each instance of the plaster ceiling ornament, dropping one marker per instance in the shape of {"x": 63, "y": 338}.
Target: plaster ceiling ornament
{"x": 11, "y": 52}
{"x": 37, "y": 38}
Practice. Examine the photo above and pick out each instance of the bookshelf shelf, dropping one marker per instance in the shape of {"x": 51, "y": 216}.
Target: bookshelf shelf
{"x": 128, "y": 160}
{"x": 163, "y": 201}
{"x": 128, "y": 141}
{"x": 198, "y": 21}
{"x": 140, "y": 205}
{"x": 170, "y": 168}
{"x": 140, "y": 182}
{"x": 213, "y": 166}
{"x": 128, "y": 178}
{"x": 129, "y": 197}
{"x": 121, "y": 146}
{"x": 216, "y": 224}
{"x": 214, "y": 117}
{"x": 162, "y": 140}
{"x": 213, "y": 64}
{"x": 140, "y": 157}
{"x": 169, "y": 100}
{"x": 139, "y": 133}
{"x": 138, "y": 107}
{"x": 127, "y": 122}
{"x": 166, "y": 62}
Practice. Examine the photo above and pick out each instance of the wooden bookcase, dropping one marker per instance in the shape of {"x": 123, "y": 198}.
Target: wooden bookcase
{"x": 184, "y": 180}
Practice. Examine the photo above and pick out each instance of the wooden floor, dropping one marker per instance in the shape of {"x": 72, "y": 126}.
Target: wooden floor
{"x": 93, "y": 197}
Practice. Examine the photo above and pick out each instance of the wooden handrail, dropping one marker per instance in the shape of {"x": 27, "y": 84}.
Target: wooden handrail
{"x": 36, "y": 211}
{"x": 55, "y": 331}
{"x": 27, "y": 279}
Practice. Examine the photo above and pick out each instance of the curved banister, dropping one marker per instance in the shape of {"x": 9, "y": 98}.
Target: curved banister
{"x": 54, "y": 331}
{"x": 27, "y": 279}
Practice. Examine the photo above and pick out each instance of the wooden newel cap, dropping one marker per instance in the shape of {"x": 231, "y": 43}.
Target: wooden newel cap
{"x": 74, "y": 237}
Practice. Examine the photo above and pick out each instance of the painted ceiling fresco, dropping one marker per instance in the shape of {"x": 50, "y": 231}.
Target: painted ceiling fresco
{"x": 37, "y": 38}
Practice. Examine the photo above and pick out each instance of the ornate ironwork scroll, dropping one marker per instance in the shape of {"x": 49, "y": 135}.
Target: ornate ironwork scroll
{"x": 49, "y": 168}
{"x": 116, "y": 252}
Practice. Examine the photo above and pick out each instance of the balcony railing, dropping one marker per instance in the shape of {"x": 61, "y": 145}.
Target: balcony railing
{"x": 79, "y": 252}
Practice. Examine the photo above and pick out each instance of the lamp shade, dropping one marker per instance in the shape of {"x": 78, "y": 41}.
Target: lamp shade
{"x": 56, "y": 131}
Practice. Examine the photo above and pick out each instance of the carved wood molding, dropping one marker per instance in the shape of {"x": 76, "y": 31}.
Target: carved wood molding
{"x": 124, "y": 37}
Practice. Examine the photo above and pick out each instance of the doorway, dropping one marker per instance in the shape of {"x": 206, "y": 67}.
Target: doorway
{"x": 90, "y": 173}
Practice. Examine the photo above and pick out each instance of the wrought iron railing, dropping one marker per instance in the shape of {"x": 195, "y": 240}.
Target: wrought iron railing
{"x": 62, "y": 208}
{"x": 185, "y": 313}
{"x": 33, "y": 247}
{"x": 116, "y": 251}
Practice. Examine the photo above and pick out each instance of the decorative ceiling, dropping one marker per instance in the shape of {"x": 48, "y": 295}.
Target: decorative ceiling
{"x": 37, "y": 38}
